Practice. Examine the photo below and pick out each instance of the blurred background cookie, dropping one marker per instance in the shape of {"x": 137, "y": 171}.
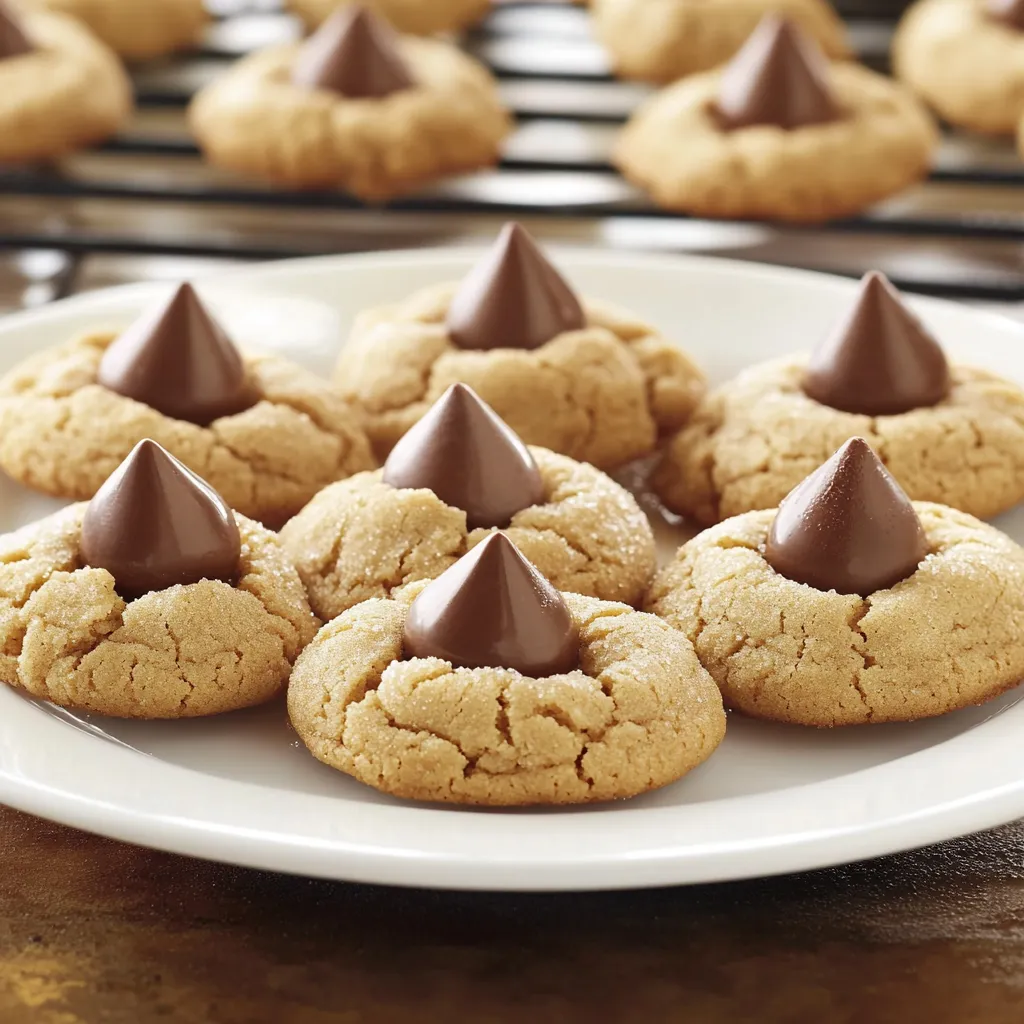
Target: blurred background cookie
{"x": 420, "y": 17}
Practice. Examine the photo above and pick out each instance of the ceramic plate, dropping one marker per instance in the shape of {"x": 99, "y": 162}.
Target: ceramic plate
{"x": 242, "y": 789}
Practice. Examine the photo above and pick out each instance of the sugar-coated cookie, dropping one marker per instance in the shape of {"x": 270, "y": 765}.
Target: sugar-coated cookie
{"x": 662, "y": 40}
{"x": 582, "y": 379}
{"x": 778, "y": 134}
{"x": 459, "y": 474}
{"x": 353, "y": 108}
{"x": 264, "y": 432}
{"x": 891, "y": 626}
{"x": 420, "y": 17}
{"x": 535, "y": 698}
{"x": 155, "y": 601}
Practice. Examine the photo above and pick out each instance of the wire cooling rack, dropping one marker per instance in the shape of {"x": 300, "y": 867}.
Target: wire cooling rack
{"x": 124, "y": 210}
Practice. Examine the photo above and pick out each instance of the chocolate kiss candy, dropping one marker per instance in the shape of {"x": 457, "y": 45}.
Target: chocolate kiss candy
{"x": 492, "y": 609}
{"x": 779, "y": 78}
{"x": 178, "y": 360}
{"x": 1009, "y": 12}
{"x": 513, "y": 298}
{"x": 881, "y": 360}
{"x": 354, "y": 53}
{"x": 154, "y": 524}
{"x": 13, "y": 41}
{"x": 848, "y": 527}
{"x": 470, "y": 458}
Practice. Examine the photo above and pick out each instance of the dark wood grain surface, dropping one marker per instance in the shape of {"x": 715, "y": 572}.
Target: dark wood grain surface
{"x": 96, "y": 931}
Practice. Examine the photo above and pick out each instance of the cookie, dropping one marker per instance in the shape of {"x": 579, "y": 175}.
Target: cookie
{"x": 154, "y": 601}
{"x": 419, "y": 17}
{"x": 944, "y": 634}
{"x": 138, "y": 31}
{"x": 957, "y": 437}
{"x": 585, "y": 380}
{"x": 965, "y": 58}
{"x": 61, "y": 88}
{"x": 353, "y": 108}
{"x": 535, "y": 698}
{"x": 264, "y": 432}
{"x": 458, "y": 475}
{"x": 662, "y": 40}
{"x": 777, "y": 134}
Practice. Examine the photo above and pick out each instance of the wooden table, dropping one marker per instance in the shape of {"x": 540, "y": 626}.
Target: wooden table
{"x": 96, "y": 931}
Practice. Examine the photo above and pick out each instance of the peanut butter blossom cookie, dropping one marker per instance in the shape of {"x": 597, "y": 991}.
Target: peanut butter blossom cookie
{"x": 965, "y": 58}
{"x": 138, "y": 29}
{"x": 579, "y": 378}
{"x": 488, "y": 686}
{"x": 420, "y": 17}
{"x": 950, "y": 434}
{"x": 778, "y": 134}
{"x": 355, "y": 108}
{"x": 155, "y": 600}
{"x": 60, "y": 87}
{"x": 849, "y": 604}
{"x": 662, "y": 40}
{"x": 459, "y": 474}
{"x": 264, "y": 432}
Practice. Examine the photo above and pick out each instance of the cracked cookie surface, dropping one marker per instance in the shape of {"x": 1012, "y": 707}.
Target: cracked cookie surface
{"x": 949, "y": 636}
{"x": 68, "y": 637}
{"x": 420, "y": 17}
{"x": 964, "y": 64}
{"x": 255, "y": 121}
{"x": 362, "y": 538}
{"x": 640, "y": 712}
{"x": 755, "y": 438}
{"x": 69, "y": 92}
{"x": 64, "y": 434}
{"x": 600, "y": 395}
{"x": 675, "y": 148}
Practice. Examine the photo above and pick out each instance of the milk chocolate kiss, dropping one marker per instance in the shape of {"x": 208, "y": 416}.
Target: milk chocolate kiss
{"x": 154, "y": 524}
{"x": 178, "y": 360}
{"x": 1009, "y": 12}
{"x": 848, "y": 527}
{"x": 513, "y": 298}
{"x": 353, "y": 53}
{"x": 779, "y": 77}
{"x": 463, "y": 452}
{"x": 881, "y": 360}
{"x": 13, "y": 41}
{"x": 492, "y": 609}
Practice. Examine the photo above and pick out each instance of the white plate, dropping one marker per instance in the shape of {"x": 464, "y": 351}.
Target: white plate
{"x": 241, "y": 788}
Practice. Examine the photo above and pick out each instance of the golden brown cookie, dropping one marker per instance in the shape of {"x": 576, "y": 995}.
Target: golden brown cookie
{"x": 757, "y": 436}
{"x": 662, "y": 40}
{"x": 677, "y": 148}
{"x": 600, "y": 395}
{"x": 639, "y": 713}
{"x": 255, "y": 120}
{"x": 63, "y": 433}
{"x": 69, "y": 90}
{"x": 944, "y": 638}
{"x": 138, "y": 29}
{"x": 200, "y": 649}
{"x": 420, "y": 17}
{"x": 963, "y": 62}
{"x": 362, "y": 538}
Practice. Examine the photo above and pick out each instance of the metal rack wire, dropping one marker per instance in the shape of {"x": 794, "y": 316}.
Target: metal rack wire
{"x": 147, "y": 194}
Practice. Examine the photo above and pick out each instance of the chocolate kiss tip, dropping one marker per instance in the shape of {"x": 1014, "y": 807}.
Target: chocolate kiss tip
{"x": 155, "y": 524}
{"x": 13, "y": 41}
{"x": 492, "y": 609}
{"x": 848, "y": 527}
{"x": 1010, "y": 12}
{"x": 470, "y": 458}
{"x": 513, "y": 298}
{"x": 177, "y": 359}
{"x": 779, "y": 77}
{"x": 881, "y": 360}
{"x": 353, "y": 53}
